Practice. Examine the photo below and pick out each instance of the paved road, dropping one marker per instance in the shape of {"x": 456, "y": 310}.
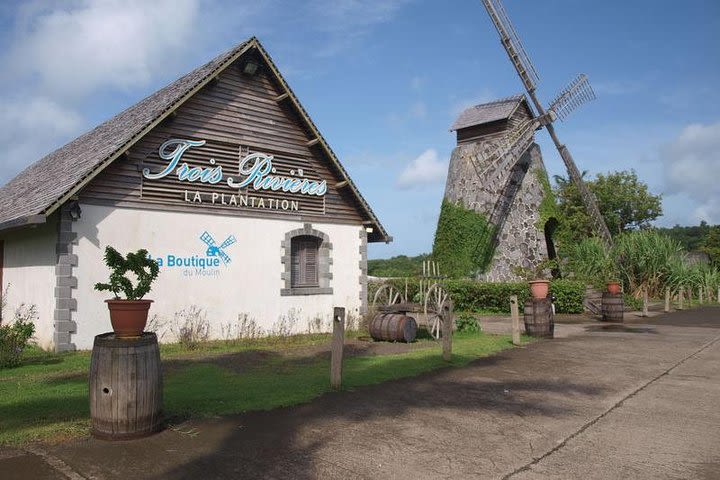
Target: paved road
{"x": 635, "y": 401}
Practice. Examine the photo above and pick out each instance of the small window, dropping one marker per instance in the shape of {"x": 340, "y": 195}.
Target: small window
{"x": 304, "y": 261}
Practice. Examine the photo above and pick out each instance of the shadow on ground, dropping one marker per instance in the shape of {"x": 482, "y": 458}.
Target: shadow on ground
{"x": 284, "y": 443}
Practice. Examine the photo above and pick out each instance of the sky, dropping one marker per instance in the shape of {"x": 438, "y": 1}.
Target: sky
{"x": 384, "y": 79}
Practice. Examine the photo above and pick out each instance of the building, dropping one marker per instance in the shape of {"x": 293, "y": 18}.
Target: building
{"x": 223, "y": 178}
{"x": 514, "y": 197}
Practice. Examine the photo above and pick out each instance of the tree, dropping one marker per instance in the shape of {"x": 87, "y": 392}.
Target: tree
{"x": 624, "y": 202}
{"x": 711, "y": 245}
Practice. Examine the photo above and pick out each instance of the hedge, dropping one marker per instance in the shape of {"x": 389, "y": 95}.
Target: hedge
{"x": 474, "y": 296}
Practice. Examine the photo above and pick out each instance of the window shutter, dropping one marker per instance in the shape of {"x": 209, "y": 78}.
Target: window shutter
{"x": 311, "y": 271}
{"x": 304, "y": 261}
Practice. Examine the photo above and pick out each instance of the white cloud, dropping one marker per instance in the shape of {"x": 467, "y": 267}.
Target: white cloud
{"x": 459, "y": 105}
{"x": 346, "y": 22}
{"x": 417, "y": 83}
{"x": 425, "y": 169}
{"x": 76, "y": 48}
{"x": 31, "y": 128}
{"x": 614, "y": 87}
{"x": 691, "y": 165}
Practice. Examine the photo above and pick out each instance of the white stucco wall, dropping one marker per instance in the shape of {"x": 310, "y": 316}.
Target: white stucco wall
{"x": 29, "y": 269}
{"x": 250, "y": 284}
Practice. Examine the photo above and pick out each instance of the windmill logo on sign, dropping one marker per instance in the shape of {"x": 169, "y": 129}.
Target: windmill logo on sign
{"x": 215, "y": 250}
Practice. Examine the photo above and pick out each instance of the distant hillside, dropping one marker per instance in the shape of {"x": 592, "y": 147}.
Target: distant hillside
{"x": 692, "y": 238}
{"x": 400, "y": 266}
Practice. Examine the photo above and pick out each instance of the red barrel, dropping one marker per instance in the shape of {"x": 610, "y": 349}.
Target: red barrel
{"x": 393, "y": 327}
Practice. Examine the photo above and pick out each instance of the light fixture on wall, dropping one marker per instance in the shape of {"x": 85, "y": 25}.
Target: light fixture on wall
{"x": 74, "y": 210}
{"x": 250, "y": 67}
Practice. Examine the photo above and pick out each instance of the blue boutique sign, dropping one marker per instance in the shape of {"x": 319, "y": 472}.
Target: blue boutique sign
{"x": 204, "y": 264}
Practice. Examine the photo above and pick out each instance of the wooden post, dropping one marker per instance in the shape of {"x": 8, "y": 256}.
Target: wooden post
{"x": 336, "y": 347}
{"x": 700, "y": 295}
{"x": 515, "y": 314}
{"x": 667, "y": 299}
{"x": 447, "y": 327}
{"x": 681, "y": 297}
{"x": 689, "y": 292}
{"x": 645, "y": 303}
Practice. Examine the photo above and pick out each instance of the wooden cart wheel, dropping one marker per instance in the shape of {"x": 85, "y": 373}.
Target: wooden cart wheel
{"x": 435, "y": 301}
{"x": 385, "y": 296}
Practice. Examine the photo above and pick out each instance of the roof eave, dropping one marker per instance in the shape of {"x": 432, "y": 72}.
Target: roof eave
{"x": 22, "y": 222}
{"x": 379, "y": 233}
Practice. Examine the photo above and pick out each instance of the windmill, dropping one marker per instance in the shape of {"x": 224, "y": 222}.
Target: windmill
{"x": 510, "y": 148}
{"x": 215, "y": 250}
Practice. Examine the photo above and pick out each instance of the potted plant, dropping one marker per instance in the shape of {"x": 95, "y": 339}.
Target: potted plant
{"x": 128, "y": 316}
{"x": 539, "y": 284}
{"x": 614, "y": 287}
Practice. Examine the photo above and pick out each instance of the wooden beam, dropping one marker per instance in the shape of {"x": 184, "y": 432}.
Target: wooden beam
{"x": 312, "y": 142}
{"x": 342, "y": 184}
{"x": 282, "y": 97}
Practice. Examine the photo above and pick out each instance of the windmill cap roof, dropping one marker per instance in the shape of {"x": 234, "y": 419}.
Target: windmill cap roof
{"x": 488, "y": 112}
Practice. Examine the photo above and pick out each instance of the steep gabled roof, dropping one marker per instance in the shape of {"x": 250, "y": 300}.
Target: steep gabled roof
{"x": 44, "y": 186}
{"x": 490, "y": 112}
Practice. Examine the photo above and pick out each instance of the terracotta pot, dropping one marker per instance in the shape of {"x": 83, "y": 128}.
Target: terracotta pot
{"x": 539, "y": 288}
{"x": 614, "y": 287}
{"x": 128, "y": 317}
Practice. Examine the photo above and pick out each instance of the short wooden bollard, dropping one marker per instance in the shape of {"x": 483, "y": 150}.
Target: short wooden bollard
{"x": 447, "y": 331}
{"x": 515, "y": 314}
{"x": 681, "y": 297}
{"x": 700, "y": 295}
{"x": 667, "y": 300}
{"x": 645, "y": 303}
{"x": 336, "y": 347}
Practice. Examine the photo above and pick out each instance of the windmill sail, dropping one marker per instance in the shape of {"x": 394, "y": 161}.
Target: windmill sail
{"x": 566, "y": 102}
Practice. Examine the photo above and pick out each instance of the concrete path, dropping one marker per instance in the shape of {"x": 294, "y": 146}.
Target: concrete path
{"x": 640, "y": 400}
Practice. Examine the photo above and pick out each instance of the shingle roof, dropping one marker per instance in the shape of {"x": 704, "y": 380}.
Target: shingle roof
{"x": 37, "y": 190}
{"x": 488, "y": 112}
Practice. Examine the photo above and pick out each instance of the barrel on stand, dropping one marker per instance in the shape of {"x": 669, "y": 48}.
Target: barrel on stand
{"x": 394, "y": 327}
{"x": 125, "y": 386}
{"x": 612, "y": 307}
{"x": 539, "y": 320}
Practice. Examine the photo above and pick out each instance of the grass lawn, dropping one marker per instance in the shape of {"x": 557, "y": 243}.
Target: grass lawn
{"x": 47, "y": 397}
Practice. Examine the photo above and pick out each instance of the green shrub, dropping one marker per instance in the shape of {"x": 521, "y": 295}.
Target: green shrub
{"x": 483, "y": 297}
{"x": 145, "y": 269}
{"x": 467, "y": 323}
{"x": 463, "y": 242}
{"x": 14, "y": 338}
{"x": 569, "y": 295}
{"x": 632, "y": 303}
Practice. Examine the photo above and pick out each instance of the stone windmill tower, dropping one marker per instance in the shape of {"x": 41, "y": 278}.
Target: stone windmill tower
{"x": 509, "y": 193}
{"x": 496, "y": 150}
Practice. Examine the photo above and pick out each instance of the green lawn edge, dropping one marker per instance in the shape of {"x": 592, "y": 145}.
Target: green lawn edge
{"x": 46, "y": 399}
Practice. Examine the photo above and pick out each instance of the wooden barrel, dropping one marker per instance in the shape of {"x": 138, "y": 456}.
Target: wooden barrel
{"x": 539, "y": 320}
{"x": 394, "y": 327}
{"x": 612, "y": 307}
{"x": 125, "y": 387}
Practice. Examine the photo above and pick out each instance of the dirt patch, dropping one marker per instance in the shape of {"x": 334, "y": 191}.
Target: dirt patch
{"x": 363, "y": 346}
{"x": 241, "y": 362}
